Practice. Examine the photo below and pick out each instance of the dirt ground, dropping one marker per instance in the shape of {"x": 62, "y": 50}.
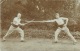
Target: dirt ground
{"x": 38, "y": 44}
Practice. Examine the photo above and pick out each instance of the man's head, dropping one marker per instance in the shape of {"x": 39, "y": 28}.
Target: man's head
{"x": 57, "y": 15}
{"x": 19, "y": 15}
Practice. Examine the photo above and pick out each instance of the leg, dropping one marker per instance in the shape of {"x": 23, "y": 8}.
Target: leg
{"x": 21, "y": 33}
{"x": 56, "y": 34}
{"x": 11, "y": 29}
{"x": 69, "y": 34}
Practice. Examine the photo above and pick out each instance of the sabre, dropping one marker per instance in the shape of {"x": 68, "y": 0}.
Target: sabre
{"x": 42, "y": 21}
{"x": 28, "y": 21}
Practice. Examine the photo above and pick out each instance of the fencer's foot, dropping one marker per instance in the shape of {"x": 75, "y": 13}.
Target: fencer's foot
{"x": 56, "y": 42}
{"x": 22, "y": 41}
{"x": 74, "y": 43}
{"x": 3, "y": 40}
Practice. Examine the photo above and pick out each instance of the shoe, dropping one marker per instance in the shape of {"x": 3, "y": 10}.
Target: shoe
{"x": 74, "y": 43}
{"x": 22, "y": 41}
{"x": 56, "y": 42}
{"x": 3, "y": 40}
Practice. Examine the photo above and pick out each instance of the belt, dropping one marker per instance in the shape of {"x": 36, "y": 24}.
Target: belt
{"x": 61, "y": 26}
{"x": 14, "y": 25}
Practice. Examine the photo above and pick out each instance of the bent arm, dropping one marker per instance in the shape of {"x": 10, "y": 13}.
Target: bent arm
{"x": 17, "y": 22}
{"x": 21, "y": 24}
{"x": 66, "y": 19}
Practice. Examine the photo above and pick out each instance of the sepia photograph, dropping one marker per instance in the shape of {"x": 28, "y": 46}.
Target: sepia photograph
{"x": 39, "y": 25}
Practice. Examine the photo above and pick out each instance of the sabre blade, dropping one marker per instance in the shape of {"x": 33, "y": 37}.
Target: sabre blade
{"x": 42, "y": 21}
{"x": 38, "y": 21}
